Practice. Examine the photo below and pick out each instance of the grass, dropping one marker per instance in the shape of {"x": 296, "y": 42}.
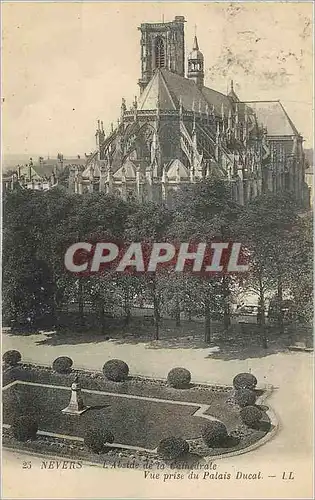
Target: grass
{"x": 133, "y": 421}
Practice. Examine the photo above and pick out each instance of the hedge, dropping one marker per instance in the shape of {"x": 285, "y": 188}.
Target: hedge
{"x": 179, "y": 378}
{"x": 62, "y": 364}
{"x": 214, "y": 433}
{"x": 11, "y": 358}
{"x": 116, "y": 370}
{"x": 172, "y": 447}
{"x": 97, "y": 438}
{"x": 245, "y": 381}
{"x": 24, "y": 427}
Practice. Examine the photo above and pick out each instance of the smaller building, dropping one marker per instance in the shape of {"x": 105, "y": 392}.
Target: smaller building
{"x": 43, "y": 174}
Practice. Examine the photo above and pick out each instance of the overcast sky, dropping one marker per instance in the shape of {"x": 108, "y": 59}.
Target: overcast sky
{"x": 65, "y": 65}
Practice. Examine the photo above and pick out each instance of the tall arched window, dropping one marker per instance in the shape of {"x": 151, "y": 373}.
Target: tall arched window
{"x": 159, "y": 53}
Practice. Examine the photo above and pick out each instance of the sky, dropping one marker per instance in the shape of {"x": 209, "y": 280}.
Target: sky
{"x": 65, "y": 65}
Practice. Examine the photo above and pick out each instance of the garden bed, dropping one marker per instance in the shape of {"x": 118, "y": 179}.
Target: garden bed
{"x": 139, "y": 412}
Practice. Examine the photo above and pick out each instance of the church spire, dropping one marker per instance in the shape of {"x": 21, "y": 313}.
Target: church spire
{"x": 196, "y": 65}
{"x": 195, "y": 46}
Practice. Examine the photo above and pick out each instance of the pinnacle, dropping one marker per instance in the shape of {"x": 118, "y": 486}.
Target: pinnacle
{"x": 195, "y": 46}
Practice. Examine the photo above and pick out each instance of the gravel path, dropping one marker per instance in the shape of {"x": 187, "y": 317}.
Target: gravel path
{"x": 291, "y": 373}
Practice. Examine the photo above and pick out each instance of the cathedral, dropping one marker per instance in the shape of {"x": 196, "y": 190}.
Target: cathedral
{"x": 179, "y": 131}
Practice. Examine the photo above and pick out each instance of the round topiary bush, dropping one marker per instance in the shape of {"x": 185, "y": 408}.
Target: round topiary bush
{"x": 116, "y": 370}
{"x": 179, "y": 378}
{"x": 62, "y": 364}
{"x": 11, "y": 358}
{"x": 172, "y": 447}
{"x": 251, "y": 415}
{"x": 245, "y": 397}
{"x": 24, "y": 427}
{"x": 244, "y": 381}
{"x": 97, "y": 438}
{"x": 214, "y": 433}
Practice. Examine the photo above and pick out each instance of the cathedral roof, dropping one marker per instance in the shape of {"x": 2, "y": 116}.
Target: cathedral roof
{"x": 274, "y": 117}
{"x": 169, "y": 89}
{"x": 177, "y": 169}
{"x": 157, "y": 93}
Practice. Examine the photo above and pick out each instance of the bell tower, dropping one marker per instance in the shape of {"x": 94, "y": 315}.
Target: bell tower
{"x": 196, "y": 65}
{"x": 162, "y": 46}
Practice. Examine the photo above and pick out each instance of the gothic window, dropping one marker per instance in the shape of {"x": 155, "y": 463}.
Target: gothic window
{"x": 159, "y": 53}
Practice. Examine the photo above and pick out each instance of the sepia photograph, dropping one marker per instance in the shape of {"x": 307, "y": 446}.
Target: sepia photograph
{"x": 157, "y": 250}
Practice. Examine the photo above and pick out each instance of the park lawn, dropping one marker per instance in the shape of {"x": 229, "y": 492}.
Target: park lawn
{"x": 133, "y": 421}
{"x": 134, "y": 385}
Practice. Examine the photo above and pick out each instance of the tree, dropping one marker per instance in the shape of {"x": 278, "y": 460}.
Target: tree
{"x": 267, "y": 226}
{"x": 38, "y": 229}
{"x": 299, "y": 276}
{"x": 205, "y": 212}
{"x": 148, "y": 223}
{"x": 28, "y": 285}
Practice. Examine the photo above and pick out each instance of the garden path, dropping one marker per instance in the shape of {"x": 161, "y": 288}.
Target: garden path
{"x": 291, "y": 373}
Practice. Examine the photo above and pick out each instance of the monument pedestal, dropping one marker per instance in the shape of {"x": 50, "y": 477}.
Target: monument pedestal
{"x": 76, "y": 405}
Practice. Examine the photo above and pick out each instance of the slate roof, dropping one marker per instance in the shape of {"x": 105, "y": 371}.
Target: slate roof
{"x": 40, "y": 171}
{"x": 274, "y": 117}
{"x": 45, "y": 168}
{"x": 157, "y": 92}
{"x": 217, "y": 100}
{"x": 170, "y": 88}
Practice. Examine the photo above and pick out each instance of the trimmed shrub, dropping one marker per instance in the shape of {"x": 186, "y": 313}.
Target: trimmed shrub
{"x": 214, "y": 433}
{"x": 244, "y": 381}
{"x": 245, "y": 397}
{"x": 11, "y": 358}
{"x": 172, "y": 447}
{"x": 96, "y": 439}
{"x": 24, "y": 427}
{"x": 116, "y": 370}
{"x": 251, "y": 415}
{"x": 179, "y": 378}
{"x": 62, "y": 364}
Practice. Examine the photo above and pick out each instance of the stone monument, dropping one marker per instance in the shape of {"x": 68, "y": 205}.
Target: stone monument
{"x": 76, "y": 405}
